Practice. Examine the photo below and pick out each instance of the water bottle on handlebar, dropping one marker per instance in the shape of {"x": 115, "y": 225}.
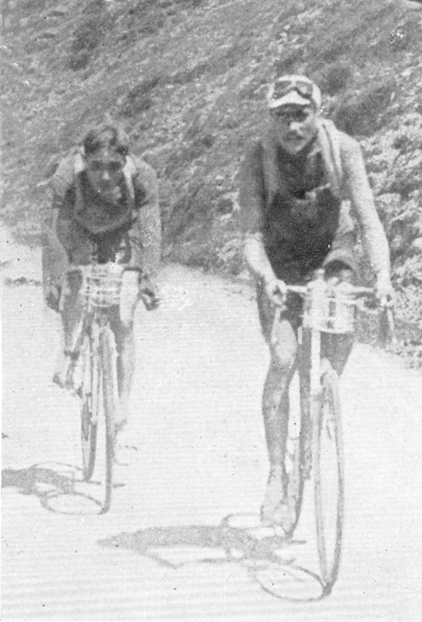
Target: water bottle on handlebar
{"x": 330, "y": 306}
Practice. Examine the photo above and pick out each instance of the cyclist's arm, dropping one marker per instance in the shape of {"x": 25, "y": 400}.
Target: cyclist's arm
{"x": 359, "y": 191}
{"x": 257, "y": 259}
{"x": 54, "y": 255}
{"x": 145, "y": 235}
{"x": 252, "y": 205}
{"x": 62, "y": 180}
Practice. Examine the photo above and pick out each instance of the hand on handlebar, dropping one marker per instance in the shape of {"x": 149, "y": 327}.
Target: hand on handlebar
{"x": 384, "y": 292}
{"x": 53, "y": 297}
{"x": 276, "y": 291}
{"x": 148, "y": 293}
{"x": 385, "y": 295}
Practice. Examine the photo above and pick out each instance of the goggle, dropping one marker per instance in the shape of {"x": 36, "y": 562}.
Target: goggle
{"x": 112, "y": 167}
{"x": 289, "y": 115}
{"x": 284, "y": 86}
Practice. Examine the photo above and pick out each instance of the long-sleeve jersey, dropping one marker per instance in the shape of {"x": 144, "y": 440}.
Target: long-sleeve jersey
{"x": 81, "y": 223}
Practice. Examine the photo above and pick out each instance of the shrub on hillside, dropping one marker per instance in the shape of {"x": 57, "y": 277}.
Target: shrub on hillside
{"x": 365, "y": 113}
{"x": 88, "y": 34}
{"x": 334, "y": 78}
{"x": 139, "y": 99}
{"x": 289, "y": 62}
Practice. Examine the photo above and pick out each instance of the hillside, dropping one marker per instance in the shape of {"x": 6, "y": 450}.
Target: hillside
{"x": 187, "y": 80}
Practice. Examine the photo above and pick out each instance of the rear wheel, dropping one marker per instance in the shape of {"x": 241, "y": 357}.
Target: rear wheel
{"x": 328, "y": 467}
{"x": 89, "y": 390}
{"x": 108, "y": 357}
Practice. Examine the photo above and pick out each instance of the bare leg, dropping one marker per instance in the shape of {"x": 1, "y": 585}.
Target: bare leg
{"x": 71, "y": 314}
{"x": 337, "y": 348}
{"x": 125, "y": 370}
{"x": 275, "y": 408}
{"x": 123, "y": 326}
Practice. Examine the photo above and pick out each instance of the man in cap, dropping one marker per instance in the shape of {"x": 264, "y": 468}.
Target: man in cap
{"x": 293, "y": 183}
{"x": 105, "y": 209}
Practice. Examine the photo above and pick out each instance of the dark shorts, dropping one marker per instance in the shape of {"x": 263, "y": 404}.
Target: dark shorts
{"x": 336, "y": 348}
{"x": 293, "y": 270}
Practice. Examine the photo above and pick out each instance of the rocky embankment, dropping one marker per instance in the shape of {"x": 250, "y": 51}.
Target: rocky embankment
{"x": 187, "y": 80}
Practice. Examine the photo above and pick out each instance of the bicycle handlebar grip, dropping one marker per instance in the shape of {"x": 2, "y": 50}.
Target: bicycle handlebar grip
{"x": 135, "y": 269}
{"x": 386, "y": 329}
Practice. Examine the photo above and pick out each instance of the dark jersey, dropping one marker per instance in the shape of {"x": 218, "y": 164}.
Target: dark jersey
{"x": 301, "y": 211}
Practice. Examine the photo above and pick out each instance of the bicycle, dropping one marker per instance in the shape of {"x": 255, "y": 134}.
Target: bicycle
{"x": 96, "y": 382}
{"x": 326, "y": 311}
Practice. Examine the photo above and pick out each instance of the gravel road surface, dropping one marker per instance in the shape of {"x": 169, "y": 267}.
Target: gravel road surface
{"x": 166, "y": 550}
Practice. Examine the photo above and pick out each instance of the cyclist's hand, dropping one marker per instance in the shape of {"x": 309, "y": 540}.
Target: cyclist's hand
{"x": 276, "y": 291}
{"x": 384, "y": 292}
{"x": 148, "y": 292}
{"x": 53, "y": 297}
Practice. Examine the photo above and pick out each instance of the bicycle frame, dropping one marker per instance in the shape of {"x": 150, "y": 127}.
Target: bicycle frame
{"x": 100, "y": 291}
{"x": 327, "y": 310}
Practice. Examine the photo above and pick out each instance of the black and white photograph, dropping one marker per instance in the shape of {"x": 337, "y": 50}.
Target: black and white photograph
{"x": 211, "y": 293}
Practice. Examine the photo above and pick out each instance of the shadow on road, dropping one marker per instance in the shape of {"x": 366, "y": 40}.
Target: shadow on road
{"x": 55, "y": 485}
{"x": 269, "y": 558}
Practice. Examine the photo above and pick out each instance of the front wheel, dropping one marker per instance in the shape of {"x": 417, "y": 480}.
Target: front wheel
{"x": 328, "y": 468}
{"x": 108, "y": 357}
{"x": 89, "y": 391}
{"x": 296, "y": 462}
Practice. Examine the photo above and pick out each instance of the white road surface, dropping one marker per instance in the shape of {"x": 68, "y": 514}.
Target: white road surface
{"x": 162, "y": 552}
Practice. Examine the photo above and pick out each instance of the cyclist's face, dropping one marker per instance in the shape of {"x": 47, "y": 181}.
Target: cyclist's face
{"x": 104, "y": 169}
{"x": 294, "y": 126}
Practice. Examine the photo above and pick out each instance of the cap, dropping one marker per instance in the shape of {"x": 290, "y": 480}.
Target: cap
{"x": 293, "y": 90}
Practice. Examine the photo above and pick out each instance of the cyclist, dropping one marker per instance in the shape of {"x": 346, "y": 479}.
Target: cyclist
{"x": 296, "y": 185}
{"x": 105, "y": 208}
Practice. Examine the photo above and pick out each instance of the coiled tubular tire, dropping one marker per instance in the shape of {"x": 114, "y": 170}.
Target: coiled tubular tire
{"x": 89, "y": 407}
{"x": 108, "y": 358}
{"x": 328, "y": 469}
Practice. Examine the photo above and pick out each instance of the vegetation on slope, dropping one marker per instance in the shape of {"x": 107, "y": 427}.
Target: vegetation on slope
{"x": 187, "y": 79}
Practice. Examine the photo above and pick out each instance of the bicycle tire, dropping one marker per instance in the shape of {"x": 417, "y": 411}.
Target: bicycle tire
{"x": 90, "y": 386}
{"x": 294, "y": 487}
{"x": 295, "y": 480}
{"x": 328, "y": 468}
{"x": 108, "y": 358}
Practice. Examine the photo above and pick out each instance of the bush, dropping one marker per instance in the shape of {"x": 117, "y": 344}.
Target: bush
{"x": 138, "y": 99}
{"x": 405, "y": 181}
{"x": 334, "y": 78}
{"x": 289, "y": 62}
{"x": 88, "y": 35}
{"x": 365, "y": 113}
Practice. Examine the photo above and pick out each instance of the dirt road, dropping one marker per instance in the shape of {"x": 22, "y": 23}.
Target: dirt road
{"x": 162, "y": 552}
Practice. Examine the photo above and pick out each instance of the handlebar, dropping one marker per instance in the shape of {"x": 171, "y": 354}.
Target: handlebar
{"x": 351, "y": 290}
{"x": 111, "y": 266}
{"x": 331, "y": 308}
{"x": 102, "y": 284}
